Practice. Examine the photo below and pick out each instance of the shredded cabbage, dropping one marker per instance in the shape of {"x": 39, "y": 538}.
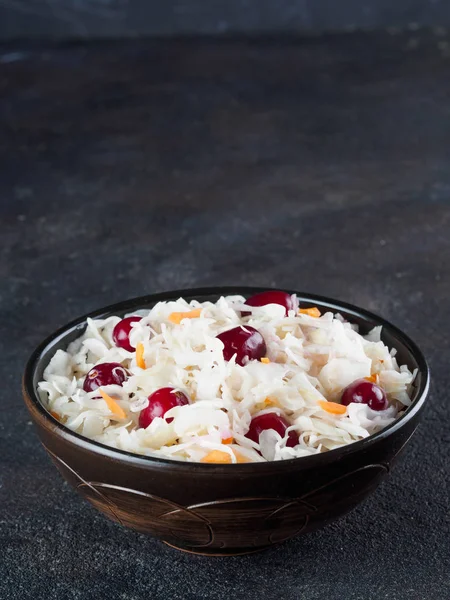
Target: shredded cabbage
{"x": 311, "y": 359}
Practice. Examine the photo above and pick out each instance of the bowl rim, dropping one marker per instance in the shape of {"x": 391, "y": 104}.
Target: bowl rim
{"x": 33, "y": 401}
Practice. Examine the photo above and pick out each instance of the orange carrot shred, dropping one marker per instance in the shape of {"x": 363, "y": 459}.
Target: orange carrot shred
{"x": 332, "y": 407}
{"x": 60, "y": 418}
{"x": 270, "y": 402}
{"x": 177, "y": 317}
{"x": 112, "y": 405}
{"x": 140, "y": 355}
{"x": 241, "y": 458}
{"x": 228, "y": 440}
{"x": 217, "y": 456}
{"x": 265, "y": 360}
{"x": 312, "y": 312}
{"x": 371, "y": 378}
{"x": 223, "y": 458}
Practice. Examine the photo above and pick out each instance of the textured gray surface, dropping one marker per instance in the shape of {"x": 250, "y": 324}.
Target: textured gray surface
{"x": 112, "y": 18}
{"x": 128, "y": 168}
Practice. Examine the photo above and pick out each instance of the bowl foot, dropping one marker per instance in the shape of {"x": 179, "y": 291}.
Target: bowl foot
{"x": 220, "y": 552}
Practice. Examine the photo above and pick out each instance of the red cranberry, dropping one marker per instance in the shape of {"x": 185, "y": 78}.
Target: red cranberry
{"x": 271, "y": 421}
{"x": 159, "y": 403}
{"x": 246, "y": 342}
{"x": 105, "y": 374}
{"x": 271, "y": 297}
{"x": 365, "y": 392}
{"x": 121, "y": 333}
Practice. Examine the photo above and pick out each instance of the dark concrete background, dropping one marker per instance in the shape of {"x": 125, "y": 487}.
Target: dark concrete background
{"x": 118, "y": 18}
{"x": 134, "y": 167}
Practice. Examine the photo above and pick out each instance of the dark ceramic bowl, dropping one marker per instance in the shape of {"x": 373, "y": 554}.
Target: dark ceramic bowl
{"x": 224, "y": 509}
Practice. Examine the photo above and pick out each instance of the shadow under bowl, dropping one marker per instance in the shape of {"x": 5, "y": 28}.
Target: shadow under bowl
{"x": 224, "y": 509}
